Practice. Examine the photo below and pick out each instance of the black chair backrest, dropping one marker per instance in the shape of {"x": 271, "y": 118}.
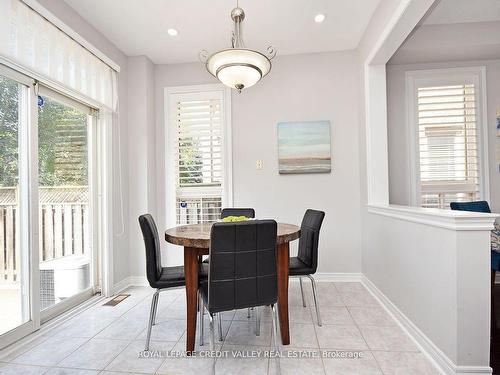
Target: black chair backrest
{"x": 152, "y": 244}
{"x": 309, "y": 237}
{"x": 248, "y": 212}
{"x": 478, "y": 206}
{"x": 242, "y": 269}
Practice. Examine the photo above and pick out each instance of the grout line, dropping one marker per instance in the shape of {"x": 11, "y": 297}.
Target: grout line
{"x": 315, "y": 323}
{"x": 361, "y": 333}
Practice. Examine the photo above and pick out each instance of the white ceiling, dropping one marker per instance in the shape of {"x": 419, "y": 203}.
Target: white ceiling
{"x": 464, "y": 11}
{"x": 140, "y": 27}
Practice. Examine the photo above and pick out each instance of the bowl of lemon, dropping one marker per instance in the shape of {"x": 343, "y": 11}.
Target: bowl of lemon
{"x": 234, "y": 219}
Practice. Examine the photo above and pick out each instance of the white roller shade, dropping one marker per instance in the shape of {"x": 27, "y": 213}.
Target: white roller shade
{"x": 28, "y": 39}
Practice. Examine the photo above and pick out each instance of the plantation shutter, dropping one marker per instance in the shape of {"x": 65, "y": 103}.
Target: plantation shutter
{"x": 198, "y": 157}
{"x": 448, "y": 144}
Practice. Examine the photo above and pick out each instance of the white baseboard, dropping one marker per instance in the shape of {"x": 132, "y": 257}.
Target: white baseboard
{"x": 426, "y": 346}
{"x": 129, "y": 282}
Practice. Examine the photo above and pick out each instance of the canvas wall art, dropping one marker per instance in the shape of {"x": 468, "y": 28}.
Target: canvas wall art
{"x": 304, "y": 147}
{"x": 498, "y": 157}
{"x": 498, "y": 122}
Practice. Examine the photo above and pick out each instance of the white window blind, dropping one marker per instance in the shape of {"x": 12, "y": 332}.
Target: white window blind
{"x": 198, "y": 156}
{"x": 448, "y": 144}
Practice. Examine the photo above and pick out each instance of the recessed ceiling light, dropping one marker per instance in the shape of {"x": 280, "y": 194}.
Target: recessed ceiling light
{"x": 172, "y": 32}
{"x": 319, "y": 18}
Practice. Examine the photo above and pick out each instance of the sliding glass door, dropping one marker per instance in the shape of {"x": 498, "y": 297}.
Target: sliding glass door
{"x": 47, "y": 204}
{"x": 14, "y": 247}
{"x": 65, "y": 204}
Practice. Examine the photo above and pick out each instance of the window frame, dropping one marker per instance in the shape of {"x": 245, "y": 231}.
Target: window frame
{"x": 444, "y": 77}
{"x": 170, "y": 139}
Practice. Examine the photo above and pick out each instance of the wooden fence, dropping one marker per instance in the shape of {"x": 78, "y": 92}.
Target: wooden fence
{"x": 63, "y": 230}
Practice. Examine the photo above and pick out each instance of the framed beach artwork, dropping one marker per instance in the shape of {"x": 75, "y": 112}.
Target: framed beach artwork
{"x": 304, "y": 147}
{"x": 498, "y": 122}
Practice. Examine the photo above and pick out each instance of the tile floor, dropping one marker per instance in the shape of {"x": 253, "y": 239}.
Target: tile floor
{"x": 107, "y": 340}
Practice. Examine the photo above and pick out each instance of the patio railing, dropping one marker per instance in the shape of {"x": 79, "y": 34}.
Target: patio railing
{"x": 63, "y": 223}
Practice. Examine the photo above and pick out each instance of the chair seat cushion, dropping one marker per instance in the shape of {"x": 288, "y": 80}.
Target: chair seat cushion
{"x": 297, "y": 267}
{"x": 170, "y": 277}
{"x": 495, "y": 261}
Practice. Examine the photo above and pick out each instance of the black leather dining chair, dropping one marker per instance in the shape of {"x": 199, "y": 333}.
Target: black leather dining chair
{"x": 234, "y": 211}
{"x": 248, "y": 212}
{"x": 242, "y": 271}
{"x": 306, "y": 261}
{"x": 159, "y": 278}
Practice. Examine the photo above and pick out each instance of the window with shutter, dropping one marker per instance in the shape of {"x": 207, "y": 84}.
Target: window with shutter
{"x": 198, "y": 129}
{"x": 447, "y": 119}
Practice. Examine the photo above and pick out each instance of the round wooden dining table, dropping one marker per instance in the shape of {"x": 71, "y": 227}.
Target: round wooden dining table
{"x": 196, "y": 241}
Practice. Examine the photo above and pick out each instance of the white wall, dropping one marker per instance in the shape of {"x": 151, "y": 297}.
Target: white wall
{"x": 399, "y": 173}
{"x": 302, "y": 87}
{"x": 120, "y": 236}
{"x": 141, "y": 156}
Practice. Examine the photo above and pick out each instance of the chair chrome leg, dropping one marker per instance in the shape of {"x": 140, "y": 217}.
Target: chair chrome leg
{"x": 302, "y": 292}
{"x": 316, "y": 303}
{"x": 152, "y": 313}
{"x": 156, "y": 308}
{"x": 202, "y": 315}
{"x": 257, "y": 321}
{"x": 212, "y": 340}
{"x": 275, "y": 338}
{"x": 219, "y": 318}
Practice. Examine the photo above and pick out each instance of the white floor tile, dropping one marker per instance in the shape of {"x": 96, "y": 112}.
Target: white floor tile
{"x": 340, "y": 337}
{"x": 397, "y": 363}
{"x": 9, "y": 356}
{"x": 297, "y": 366}
{"x": 334, "y": 315}
{"x": 96, "y": 354}
{"x": 387, "y": 338}
{"x": 168, "y": 330}
{"x": 327, "y": 295}
{"x": 349, "y": 287}
{"x": 86, "y": 326}
{"x": 364, "y": 365}
{"x": 50, "y": 352}
{"x": 299, "y": 314}
{"x": 241, "y": 366}
{"x": 130, "y": 360}
{"x": 371, "y": 316}
{"x": 243, "y": 333}
{"x": 186, "y": 366}
{"x": 70, "y": 371}
{"x": 15, "y": 369}
{"x": 358, "y": 298}
{"x": 303, "y": 335}
{"x": 123, "y": 329}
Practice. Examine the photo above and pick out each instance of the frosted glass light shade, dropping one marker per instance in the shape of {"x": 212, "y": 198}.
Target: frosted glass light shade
{"x": 238, "y": 68}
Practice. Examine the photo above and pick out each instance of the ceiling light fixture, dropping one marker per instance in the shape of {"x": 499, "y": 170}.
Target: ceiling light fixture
{"x": 172, "y": 32}
{"x": 238, "y": 67}
{"x": 319, "y": 18}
